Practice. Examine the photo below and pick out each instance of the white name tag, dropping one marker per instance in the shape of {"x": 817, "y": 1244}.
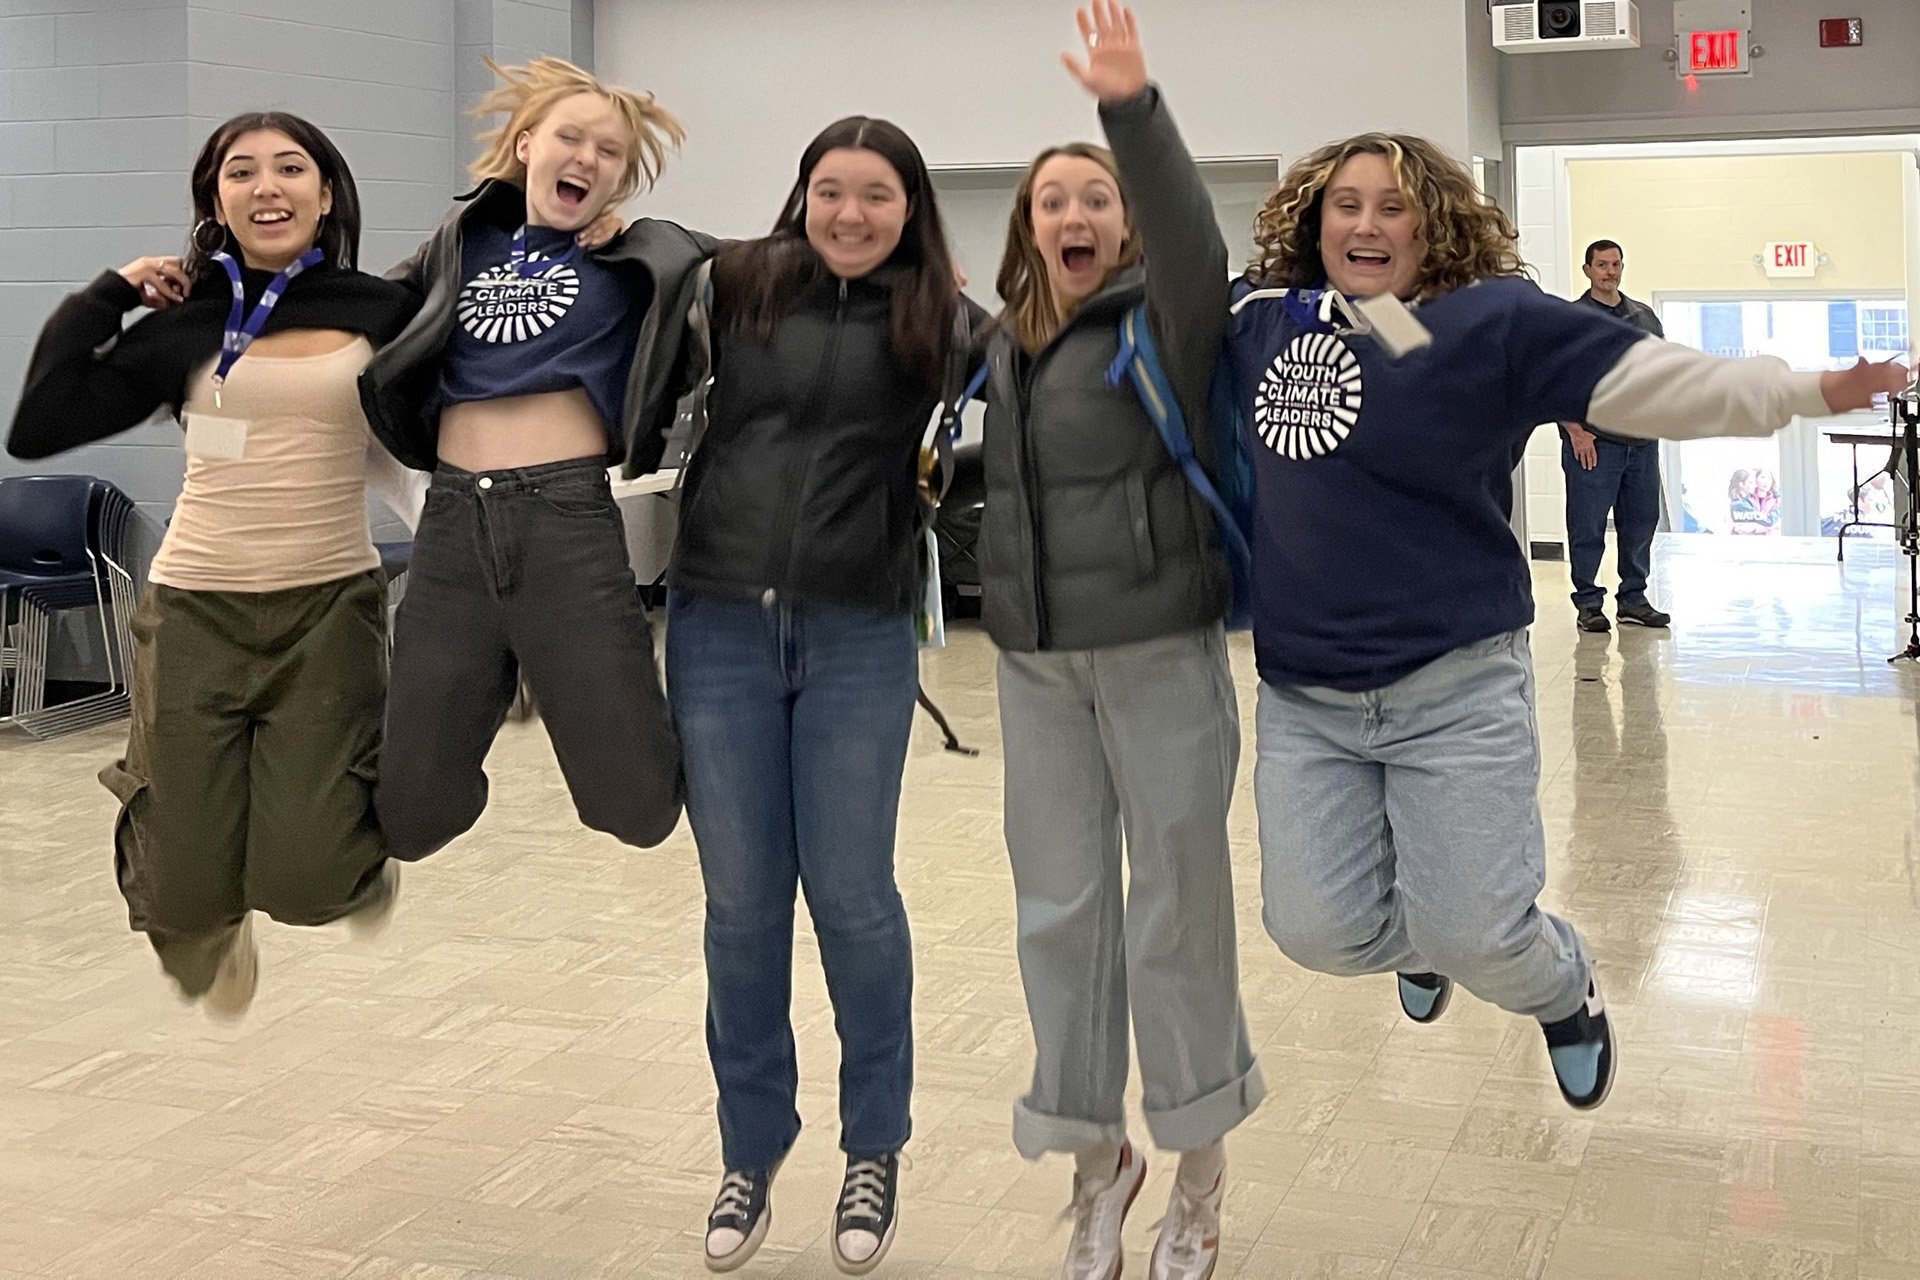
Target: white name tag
{"x": 1394, "y": 327}
{"x": 210, "y": 437}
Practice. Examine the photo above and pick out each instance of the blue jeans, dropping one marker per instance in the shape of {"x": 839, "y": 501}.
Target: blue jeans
{"x": 1400, "y": 831}
{"x": 1625, "y": 483}
{"x": 794, "y": 722}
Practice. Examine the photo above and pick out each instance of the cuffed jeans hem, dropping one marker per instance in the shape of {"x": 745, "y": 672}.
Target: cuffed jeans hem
{"x": 1207, "y": 1120}
{"x": 1036, "y": 1134}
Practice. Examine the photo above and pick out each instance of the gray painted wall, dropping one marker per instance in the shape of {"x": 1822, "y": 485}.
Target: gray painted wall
{"x": 1796, "y": 88}
{"x": 103, "y": 104}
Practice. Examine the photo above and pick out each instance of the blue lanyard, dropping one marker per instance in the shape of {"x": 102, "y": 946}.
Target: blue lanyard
{"x": 517, "y": 257}
{"x": 239, "y": 336}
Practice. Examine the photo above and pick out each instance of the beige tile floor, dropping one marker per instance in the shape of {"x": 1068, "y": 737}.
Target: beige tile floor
{"x": 512, "y": 1083}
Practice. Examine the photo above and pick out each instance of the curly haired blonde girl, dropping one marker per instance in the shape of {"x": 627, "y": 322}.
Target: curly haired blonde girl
{"x": 527, "y": 93}
{"x": 1466, "y": 237}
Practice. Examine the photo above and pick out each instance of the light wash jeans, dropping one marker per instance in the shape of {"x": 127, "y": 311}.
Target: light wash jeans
{"x": 1141, "y": 740}
{"x": 1400, "y": 831}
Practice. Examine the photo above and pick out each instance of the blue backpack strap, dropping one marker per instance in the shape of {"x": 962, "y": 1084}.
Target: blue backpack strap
{"x": 1138, "y": 361}
{"x": 974, "y": 384}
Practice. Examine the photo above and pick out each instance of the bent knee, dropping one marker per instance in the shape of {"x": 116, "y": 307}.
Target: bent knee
{"x": 1321, "y": 945}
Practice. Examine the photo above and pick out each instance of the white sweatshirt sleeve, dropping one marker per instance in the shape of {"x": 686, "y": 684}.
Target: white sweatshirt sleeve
{"x": 1662, "y": 389}
{"x": 403, "y": 489}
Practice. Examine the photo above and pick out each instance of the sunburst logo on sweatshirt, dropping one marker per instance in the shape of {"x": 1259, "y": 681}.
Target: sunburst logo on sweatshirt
{"x": 501, "y": 306}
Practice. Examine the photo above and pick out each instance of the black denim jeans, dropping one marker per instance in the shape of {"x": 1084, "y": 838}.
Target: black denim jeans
{"x": 524, "y": 570}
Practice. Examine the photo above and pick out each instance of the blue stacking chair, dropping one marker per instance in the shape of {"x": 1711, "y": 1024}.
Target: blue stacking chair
{"x": 62, "y": 547}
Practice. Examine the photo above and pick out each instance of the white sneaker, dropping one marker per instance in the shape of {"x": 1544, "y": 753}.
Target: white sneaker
{"x": 238, "y": 977}
{"x": 1099, "y": 1210}
{"x": 1189, "y": 1243}
{"x": 370, "y": 921}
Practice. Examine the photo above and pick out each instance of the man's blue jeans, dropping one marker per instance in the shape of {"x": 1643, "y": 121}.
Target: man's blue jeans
{"x": 1626, "y": 483}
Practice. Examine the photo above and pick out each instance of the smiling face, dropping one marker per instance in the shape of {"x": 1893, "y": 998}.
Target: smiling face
{"x": 271, "y": 196}
{"x": 574, "y": 157}
{"x": 1079, "y": 225}
{"x": 856, "y": 209}
{"x": 1370, "y": 238}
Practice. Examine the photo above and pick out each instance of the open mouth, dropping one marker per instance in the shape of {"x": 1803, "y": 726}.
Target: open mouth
{"x": 272, "y": 217}
{"x": 1369, "y": 258}
{"x": 1077, "y": 257}
{"x": 570, "y": 193}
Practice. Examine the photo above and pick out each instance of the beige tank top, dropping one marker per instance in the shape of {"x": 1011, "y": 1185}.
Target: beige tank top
{"x": 291, "y": 510}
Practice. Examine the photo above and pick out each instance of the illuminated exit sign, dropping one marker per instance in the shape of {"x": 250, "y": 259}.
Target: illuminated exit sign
{"x": 1715, "y": 53}
{"x": 1790, "y": 259}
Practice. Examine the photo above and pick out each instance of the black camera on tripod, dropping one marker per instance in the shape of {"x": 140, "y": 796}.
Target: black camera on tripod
{"x": 1559, "y": 19}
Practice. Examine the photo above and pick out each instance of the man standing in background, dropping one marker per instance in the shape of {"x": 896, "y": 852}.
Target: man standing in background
{"x": 1612, "y": 475}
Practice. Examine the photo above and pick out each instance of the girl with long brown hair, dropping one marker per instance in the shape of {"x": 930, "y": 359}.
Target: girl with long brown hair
{"x": 792, "y": 661}
{"x": 259, "y": 659}
{"x": 1104, "y": 587}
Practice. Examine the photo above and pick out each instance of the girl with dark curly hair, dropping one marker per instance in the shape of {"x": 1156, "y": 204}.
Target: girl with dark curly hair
{"x": 1398, "y": 758}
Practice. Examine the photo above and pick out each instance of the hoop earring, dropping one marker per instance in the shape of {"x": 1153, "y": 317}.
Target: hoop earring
{"x": 198, "y": 239}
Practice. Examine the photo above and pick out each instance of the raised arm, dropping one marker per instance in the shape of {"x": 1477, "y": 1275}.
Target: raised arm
{"x": 1167, "y": 200}
{"x": 86, "y": 382}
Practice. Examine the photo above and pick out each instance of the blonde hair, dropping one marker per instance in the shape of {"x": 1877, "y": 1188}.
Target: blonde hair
{"x": 527, "y": 93}
{"x": 1032, "y": 312}
{"x": 1468, "y": 238}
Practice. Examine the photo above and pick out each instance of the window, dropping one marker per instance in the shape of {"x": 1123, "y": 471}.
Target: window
{"x": 1843, "y": 330}
{"x": 1883, "y": 329}
{"x": 1722, "y": 332}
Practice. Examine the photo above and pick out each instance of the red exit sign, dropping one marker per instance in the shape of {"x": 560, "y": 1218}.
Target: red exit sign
{"x": 1716, "y": 53}
{"x": 1790, "y": 258}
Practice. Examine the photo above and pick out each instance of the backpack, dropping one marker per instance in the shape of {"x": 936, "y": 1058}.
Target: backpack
{"x": 1228, "y": 492}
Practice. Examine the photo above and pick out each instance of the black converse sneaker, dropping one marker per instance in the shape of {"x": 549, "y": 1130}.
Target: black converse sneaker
{"x": 864, "y": 1219}
{"x": 864, "y": 1222}
{"x": 1424, "y": 996}
{"x": 1581, "y": 1047}
{"x": 739, "y": 1220}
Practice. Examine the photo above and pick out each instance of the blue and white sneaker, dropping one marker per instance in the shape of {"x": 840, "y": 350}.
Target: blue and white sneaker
{"x": 1424, "y": 996}
{"x": 1581, "y": 1048}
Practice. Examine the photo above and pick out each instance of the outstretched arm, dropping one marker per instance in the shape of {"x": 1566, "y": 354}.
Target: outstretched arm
{"x": 1662, "y": 389}
{"x": 1167, "y": 200}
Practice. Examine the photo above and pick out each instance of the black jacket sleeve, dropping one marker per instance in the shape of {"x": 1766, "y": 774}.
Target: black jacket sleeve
{"x": 411, "y": 271}
{"x": 76, "y": 391}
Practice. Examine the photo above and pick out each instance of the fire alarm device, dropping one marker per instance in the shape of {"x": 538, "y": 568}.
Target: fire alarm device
{"x": 1840, "y": 33}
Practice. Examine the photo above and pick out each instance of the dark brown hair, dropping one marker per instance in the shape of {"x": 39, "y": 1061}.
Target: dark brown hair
{"x": 758, "y": 280}
{"x": 339, "y": 229}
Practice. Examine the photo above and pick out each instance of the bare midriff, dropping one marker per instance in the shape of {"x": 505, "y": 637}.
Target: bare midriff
{"x": 521, "y": 431}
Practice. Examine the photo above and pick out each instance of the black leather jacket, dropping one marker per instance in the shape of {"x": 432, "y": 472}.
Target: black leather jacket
{"x": 803, "y": 489}
{"x": 661, "y": 259}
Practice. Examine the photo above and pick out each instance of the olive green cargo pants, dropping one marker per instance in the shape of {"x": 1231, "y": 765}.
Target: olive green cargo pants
{"x": 248, "y": 779}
